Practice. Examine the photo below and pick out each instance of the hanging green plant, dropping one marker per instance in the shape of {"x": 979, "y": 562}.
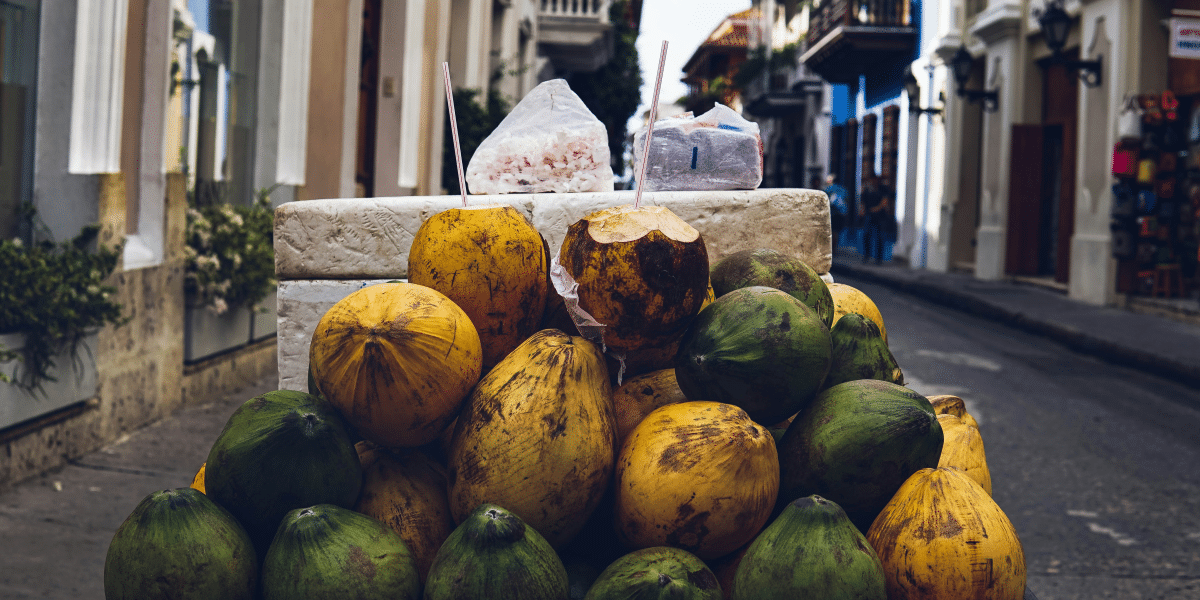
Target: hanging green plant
{"x": 55, "y": 295}
{"x": 230, "y": 255}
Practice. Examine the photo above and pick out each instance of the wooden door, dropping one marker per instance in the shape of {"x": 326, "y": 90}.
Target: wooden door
{"x": 1024, "y": 200}
{"x": 1059, "y": 114}
{"x": 368, "y": 85}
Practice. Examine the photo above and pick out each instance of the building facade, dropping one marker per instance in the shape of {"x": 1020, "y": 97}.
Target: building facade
{"x": 1010, "y": 173}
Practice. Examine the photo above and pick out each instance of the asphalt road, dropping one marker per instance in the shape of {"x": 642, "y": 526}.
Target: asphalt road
{"x": 1097, "y": 466}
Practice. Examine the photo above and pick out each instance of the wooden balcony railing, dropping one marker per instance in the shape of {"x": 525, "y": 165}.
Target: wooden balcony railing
{"x": 832, "y": 14}
{"x": 847, "y": 38}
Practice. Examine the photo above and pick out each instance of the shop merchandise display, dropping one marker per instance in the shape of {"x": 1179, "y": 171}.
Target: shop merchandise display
{"x": 1156, "y": 195}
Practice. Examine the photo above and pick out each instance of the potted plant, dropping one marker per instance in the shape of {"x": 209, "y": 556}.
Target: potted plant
{"x": 230, "y": 272}
{"x": 53, "y": 299}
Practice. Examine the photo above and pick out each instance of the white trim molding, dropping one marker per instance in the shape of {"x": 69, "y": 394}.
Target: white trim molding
{"x": 412, "y": 100}
{"x": 295, "y": 58}
{"x": 98, "y": 86}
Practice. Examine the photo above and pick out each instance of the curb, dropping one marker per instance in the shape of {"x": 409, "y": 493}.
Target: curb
{"x": 1084, "y": 343}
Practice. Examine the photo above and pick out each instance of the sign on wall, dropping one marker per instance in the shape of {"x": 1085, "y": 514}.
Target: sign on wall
{"x": 1185, "y": 38}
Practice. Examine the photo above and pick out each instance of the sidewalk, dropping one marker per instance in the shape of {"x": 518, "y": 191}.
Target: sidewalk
{"x": 55, "y": 529}
{"x": 1166, "y": 347}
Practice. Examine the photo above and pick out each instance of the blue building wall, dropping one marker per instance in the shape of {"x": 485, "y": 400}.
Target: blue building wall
{"x": 842, "y": 103}
{"x": 881, "y": 87}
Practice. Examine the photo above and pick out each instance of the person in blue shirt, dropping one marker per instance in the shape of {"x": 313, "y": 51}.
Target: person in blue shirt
{"x": 837, "y": 206}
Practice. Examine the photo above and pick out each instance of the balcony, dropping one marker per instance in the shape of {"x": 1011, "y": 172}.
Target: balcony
{"x": 575, "y": 34}
{"x": 847, "y": 38}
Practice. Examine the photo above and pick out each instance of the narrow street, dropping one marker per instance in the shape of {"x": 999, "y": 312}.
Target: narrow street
{"x": 1096, "y": 465}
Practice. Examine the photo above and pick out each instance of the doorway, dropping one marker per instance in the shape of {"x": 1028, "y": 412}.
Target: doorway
{"x": 1041, "y": 206}
{"x": 368, "y": 84}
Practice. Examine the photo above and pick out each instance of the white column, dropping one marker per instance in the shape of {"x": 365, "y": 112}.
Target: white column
{"x": 999, "y": 27}
{"x": 145, "y": 247}
{"x": 354, "y": 27}
{"x": 1132, "y": 45}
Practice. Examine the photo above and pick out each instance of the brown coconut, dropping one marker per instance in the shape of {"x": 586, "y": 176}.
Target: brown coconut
{"x": 642, "y": 272}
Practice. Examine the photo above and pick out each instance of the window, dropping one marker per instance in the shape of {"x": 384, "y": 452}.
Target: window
{"x": 18, "y": 75}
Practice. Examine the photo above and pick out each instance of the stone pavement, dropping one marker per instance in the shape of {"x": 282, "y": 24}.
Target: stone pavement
{"x": 55, "y": 528}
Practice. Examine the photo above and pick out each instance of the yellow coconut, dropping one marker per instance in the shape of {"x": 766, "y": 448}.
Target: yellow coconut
{"x": 700, "y": 476}
{"x": 642, "y": 272}
{"x": 942, "y": 536}
{"x": 537, "y": 436}
{"x": 709, "y": 296}
{"x": 198, "y": 480}
{"x": 406, "y": 489}
{"x": 493, "y": 264}
{"x": 397, "y": 360}
{"x": 641, "y": 395}
{"x": 848, "y": 299}
{"x": 963, "y": 448}
{"x": 945, "y": 404}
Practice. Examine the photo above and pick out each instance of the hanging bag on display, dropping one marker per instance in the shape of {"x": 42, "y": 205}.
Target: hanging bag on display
{"x": 1129, "y": 134}
{"x": 1129, "y": 122}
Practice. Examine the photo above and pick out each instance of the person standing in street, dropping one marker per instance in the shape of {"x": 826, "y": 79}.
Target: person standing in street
{"x": 875, "y": 209}
{"x": 838, "y": 211}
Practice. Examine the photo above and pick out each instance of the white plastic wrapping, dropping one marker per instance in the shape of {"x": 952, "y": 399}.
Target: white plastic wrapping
{"x": 718, "y": 150}
{"x": 549, "y": 142}
{"x": 568, "y": 288}
{"x": 591, "y": 329}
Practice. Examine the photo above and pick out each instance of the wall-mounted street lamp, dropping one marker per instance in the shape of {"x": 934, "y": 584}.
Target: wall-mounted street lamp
{"x": 1056, "y": 26}
{"x": 962, "y": 64}
{"x": 914, "y": 97}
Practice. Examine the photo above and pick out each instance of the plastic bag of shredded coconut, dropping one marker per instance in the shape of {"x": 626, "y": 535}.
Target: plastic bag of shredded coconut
{"x": 550, "y": 142}
{"x": 718, "y": 150}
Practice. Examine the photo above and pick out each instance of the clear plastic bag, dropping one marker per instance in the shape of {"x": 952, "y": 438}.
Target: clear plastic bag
{"x": 718, "y": 150}
{"x": 549, "y": 142}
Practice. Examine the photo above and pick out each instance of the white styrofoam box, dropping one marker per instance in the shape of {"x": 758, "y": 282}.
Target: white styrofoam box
{"x": 300, "y": 305}
{"x": 369, "y": 238}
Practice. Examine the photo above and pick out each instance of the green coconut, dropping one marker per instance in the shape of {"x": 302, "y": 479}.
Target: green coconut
{"x": 278, "y": 452}
{"x": 326, "y": 552}
{"x": 180, "y": 545}
{"x": 658, "y": 573}
{"x": 494, "y": 554}
{"x": 856, "y": 443}
{"x": 860, "y": 352}
{"x": 775, "y": 269}
{"x": 758, "y": 348}
{"x": 811, "y": 550}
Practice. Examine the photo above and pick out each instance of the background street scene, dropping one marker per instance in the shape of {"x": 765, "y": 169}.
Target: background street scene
{"x": 187, "y": 186}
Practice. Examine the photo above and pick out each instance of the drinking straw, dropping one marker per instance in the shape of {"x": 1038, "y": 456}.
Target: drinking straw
{"x": 462, "y": 182}
{"x": 641, "y": 181}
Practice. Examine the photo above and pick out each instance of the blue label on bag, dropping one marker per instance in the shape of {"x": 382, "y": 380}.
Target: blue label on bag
{"x": 695, "y": 151}
{"x": 729, "y": 127}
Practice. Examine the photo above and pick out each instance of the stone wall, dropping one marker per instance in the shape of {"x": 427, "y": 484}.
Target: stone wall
{"x": 326, "y": 249}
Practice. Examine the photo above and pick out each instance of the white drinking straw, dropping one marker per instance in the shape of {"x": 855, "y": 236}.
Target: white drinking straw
{"x": 462, "y": 183}
{"x": 641, "y": 182}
